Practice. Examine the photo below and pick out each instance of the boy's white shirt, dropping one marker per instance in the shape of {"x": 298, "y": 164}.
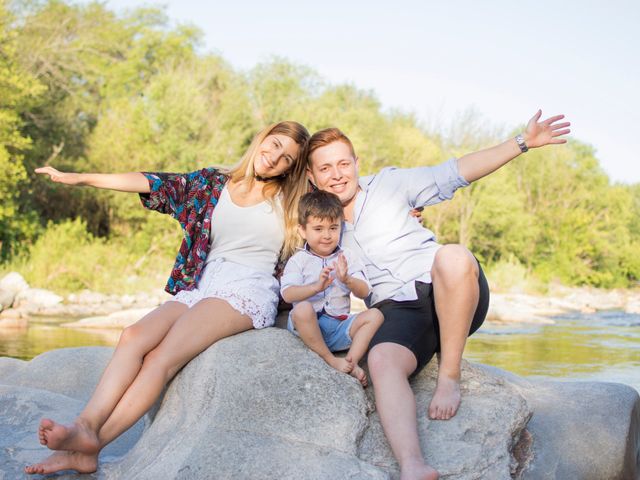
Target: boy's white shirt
{"x": 304, "y": 267}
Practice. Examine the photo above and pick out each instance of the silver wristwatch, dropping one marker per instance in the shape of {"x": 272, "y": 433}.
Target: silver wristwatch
{"x": 521, "y": 144}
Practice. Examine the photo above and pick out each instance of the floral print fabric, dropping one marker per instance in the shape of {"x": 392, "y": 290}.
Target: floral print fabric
{"x": 191, "y": 199}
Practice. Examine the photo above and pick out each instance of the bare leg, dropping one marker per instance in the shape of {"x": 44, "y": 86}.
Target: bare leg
{"x": 390, "y": 365}
{"x": 306, "y": 322}
{"x": 361, "y": 332}
{"x": 135, "y": 341}
{"x": 199, "y": 327}
{"x": 455, "y": 287}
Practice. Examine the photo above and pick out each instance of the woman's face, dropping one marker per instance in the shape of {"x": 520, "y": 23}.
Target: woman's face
{"x": 276, "y": 155}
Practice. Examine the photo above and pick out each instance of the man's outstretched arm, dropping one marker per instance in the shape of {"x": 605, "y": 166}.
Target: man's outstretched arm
{"x": 537, "y": 134}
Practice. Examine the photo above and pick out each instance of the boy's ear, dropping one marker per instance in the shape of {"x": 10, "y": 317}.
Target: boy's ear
{"x": 302, "y": 232}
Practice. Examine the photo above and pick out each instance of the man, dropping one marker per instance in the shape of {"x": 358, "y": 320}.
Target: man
{"x": 432, "y": 296}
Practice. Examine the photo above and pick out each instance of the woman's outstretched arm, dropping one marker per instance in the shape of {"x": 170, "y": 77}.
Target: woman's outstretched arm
{"x": 537, "y": 134}
{"x": 122, "y": 182}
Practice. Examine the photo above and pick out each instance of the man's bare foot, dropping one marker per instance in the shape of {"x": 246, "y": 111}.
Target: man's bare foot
{"x": 418, "y": 471}
{"x": 80, "y": 462}
{"x": 358, "y": 374}
{"x": 446, "y": 399}
{"x": 341, "y": 364}
{"x": 76, "y": 437}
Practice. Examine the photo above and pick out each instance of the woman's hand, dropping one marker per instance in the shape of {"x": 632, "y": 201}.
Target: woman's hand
{"x": 60, "y": 177}
{"x": 539, "y": 134}
{"x": 121, "y": 182}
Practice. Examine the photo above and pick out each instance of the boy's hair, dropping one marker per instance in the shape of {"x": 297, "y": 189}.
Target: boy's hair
{"x": 319, "y": 204}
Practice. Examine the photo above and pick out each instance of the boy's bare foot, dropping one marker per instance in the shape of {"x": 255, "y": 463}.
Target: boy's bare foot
{"x": 446, "y": 399}
{"x": 341, "y": 364}
{"x": 80, "y": 462}
{"x": 358, "y": 374}
{"x": 76, "y": 437}
{"x": 418, "y": 471}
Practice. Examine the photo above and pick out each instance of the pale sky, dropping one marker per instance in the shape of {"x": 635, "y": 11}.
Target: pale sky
{"x": 438, "y": 59}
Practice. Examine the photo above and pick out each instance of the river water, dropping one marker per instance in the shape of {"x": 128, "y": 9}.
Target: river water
{"x": 604, "y": 346}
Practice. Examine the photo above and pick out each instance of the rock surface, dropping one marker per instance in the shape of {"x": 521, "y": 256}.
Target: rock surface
{"x": 261, "y": 406}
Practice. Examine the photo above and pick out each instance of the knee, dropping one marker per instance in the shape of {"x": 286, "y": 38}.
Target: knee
{"x": 131, "y": 335}
{"x": 454, "y": 263}
{"x": 374, "y": 317}
{"x": 303, "y": 312}
{"x": 379, "y": 360}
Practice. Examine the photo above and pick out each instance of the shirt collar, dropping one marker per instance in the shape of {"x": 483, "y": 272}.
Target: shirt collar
{"x": 306, "y": 248}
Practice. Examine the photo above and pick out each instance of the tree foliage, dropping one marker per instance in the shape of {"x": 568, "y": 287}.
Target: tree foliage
{"x": 86, "y": 89}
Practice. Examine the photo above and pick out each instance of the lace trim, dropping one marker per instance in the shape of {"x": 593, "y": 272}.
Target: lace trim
{"x": 262, "y": 313}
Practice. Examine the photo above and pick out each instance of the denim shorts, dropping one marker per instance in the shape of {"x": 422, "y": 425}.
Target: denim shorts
{"x": 334, "y": 332}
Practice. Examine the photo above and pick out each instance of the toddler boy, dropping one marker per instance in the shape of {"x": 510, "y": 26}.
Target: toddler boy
{"x": 318, "y": 280}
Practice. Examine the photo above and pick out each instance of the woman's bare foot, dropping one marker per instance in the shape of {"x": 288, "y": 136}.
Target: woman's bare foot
{"x": 80, "y": 462}
{"x": 358, "y": 374}
{"x": 341, "y": 364}
{"x": 77, "y": 437}
{"x": 418, "y": 471}
{"x": 446, "y": 399}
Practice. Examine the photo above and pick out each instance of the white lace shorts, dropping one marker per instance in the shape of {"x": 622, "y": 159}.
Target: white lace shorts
{"x": 249, "y": 291}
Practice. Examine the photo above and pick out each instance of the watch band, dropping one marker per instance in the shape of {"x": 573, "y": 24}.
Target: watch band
{"x": 521, "y": 144}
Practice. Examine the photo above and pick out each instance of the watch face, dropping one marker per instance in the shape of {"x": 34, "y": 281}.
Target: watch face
{"x": 521, "y": 144}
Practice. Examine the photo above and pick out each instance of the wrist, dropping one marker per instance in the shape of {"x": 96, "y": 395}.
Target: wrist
{"x": 521, "y": 140}
{"x": 79, "y": 179}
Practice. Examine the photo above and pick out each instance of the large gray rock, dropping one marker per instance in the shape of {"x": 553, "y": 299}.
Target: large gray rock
{"x": 56, "y": 384}
{"x": 261, "y": 406}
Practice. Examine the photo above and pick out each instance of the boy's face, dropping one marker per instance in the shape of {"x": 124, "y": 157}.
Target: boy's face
{"x": 322, "y": 235}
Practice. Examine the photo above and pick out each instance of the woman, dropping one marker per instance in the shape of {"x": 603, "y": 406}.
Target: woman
{"x": 222, "y": 281}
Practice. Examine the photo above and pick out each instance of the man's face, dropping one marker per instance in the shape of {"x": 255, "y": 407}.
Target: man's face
{"x": 335, "y": 169}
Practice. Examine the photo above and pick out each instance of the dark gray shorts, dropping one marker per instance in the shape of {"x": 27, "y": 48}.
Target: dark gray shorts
{"x": 414, "y": 324}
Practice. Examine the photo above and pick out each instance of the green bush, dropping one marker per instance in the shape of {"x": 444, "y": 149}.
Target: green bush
{"x": 511, "y": 276}
{"x": 67, "y": 258}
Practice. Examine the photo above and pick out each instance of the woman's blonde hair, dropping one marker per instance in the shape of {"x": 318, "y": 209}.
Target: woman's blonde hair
{"x": 292, "y": 184}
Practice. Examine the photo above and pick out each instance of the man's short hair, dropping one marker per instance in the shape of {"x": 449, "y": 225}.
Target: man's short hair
{"x": 326, "y": 137}
{"x": 320, "y": 204}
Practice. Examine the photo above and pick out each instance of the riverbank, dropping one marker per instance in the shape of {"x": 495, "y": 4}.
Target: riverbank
{"x": 86, "y": 309}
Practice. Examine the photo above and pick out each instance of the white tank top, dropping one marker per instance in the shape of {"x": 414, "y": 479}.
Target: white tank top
{"x": 250, "y": 236}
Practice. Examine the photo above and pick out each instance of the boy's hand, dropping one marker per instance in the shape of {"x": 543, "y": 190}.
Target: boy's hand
{"x": 325, "y": 279}
{"x": 342, "y": 269}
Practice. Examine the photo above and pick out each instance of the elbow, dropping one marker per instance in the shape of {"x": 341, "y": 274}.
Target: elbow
{"x": 362, "y": 293}
{"x": 286, "y": 297}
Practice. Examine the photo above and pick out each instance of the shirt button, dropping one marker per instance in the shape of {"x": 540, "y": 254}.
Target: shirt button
{"x": 326, "y": 303}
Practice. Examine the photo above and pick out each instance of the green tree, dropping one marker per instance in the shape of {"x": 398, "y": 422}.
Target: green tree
{"x": 18, "y": 91}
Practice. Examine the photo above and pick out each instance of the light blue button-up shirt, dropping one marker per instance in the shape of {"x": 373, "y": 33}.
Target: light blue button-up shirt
{"x": 396, "y": 249}
{"x": 304, "y": 267}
